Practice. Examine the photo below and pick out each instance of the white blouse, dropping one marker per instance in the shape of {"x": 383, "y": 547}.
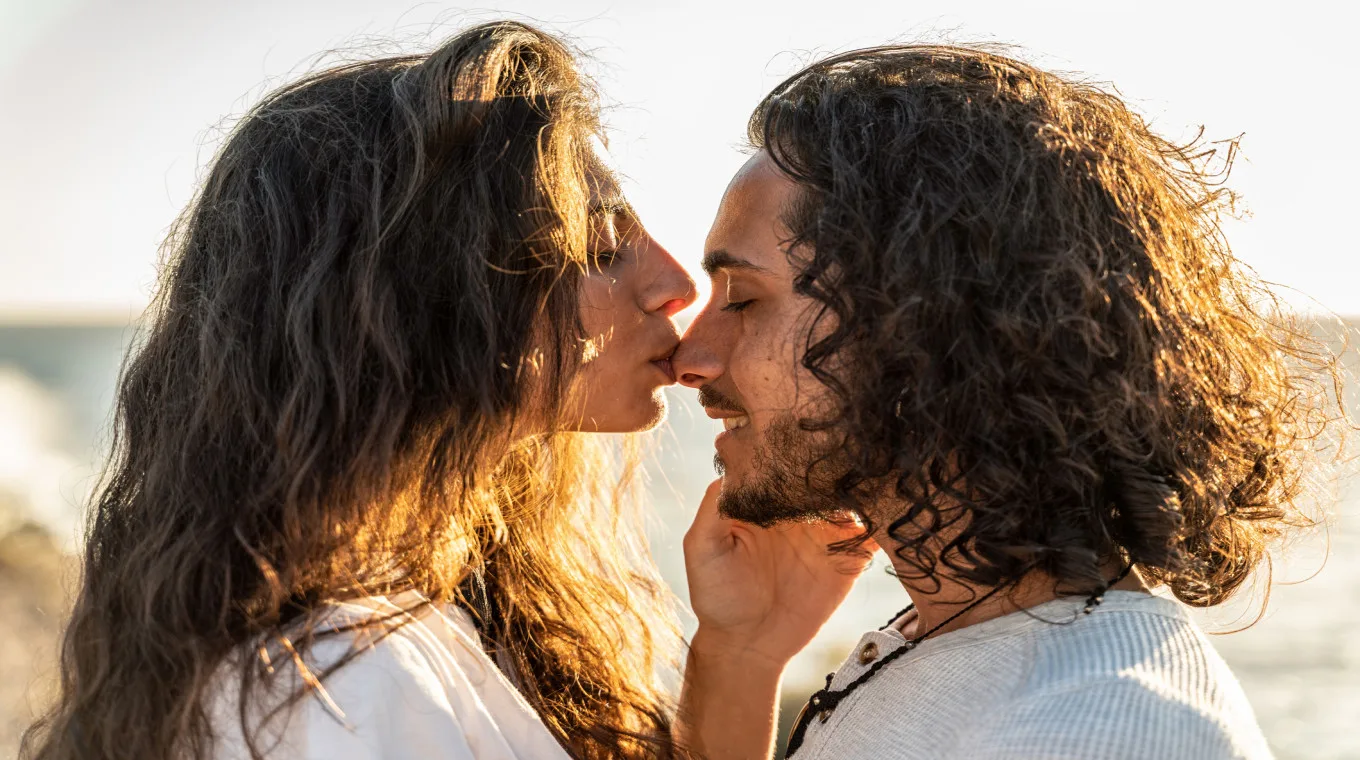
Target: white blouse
{"x": 426, "y": 689}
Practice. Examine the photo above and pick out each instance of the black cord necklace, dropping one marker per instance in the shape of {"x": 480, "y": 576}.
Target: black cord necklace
{"x": 824, "y": 701}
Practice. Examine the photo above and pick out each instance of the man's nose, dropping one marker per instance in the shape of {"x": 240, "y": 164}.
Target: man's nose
{"x": 701, "y": 356}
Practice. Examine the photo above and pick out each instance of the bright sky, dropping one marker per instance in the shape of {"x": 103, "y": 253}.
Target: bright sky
{"x": 108, "y": 110}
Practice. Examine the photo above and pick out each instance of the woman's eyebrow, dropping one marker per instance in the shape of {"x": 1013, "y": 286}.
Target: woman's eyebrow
{"x": 610, "y": 204}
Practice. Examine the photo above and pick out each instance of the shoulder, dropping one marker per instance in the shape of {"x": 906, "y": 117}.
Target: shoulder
{"x": 387, "y": 692}
{"x": 1137, "y": 679}
{"x": 1116, "y": 719}
{"x": 1132, "y": 636}
{"x": 382, "y": 669}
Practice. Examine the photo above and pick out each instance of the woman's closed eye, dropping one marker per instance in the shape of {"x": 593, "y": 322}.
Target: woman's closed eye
{"x": 739, "y": 306}
{"x": 605, "y": 258}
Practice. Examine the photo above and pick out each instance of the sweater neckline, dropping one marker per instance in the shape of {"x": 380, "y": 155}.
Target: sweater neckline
{"x": 1060, "y": 611}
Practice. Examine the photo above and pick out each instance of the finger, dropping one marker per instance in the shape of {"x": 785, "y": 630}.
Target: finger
{"x": 851, "y": 562}
{"x": 707, "y": 522}
{"x": 841, "y": 529}
{"x": 708, "y": 506}
{"x": 855, "y": 559}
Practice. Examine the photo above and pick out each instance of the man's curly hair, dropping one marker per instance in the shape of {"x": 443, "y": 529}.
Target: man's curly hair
{"x": 1034, "y": 329}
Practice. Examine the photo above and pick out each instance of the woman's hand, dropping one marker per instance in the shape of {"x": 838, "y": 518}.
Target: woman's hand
{"x": 760, "y": 594}
{"x": 765, "y": 592}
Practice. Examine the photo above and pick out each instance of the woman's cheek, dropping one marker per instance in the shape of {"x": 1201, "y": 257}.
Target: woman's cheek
{"x": 596, "y": 306}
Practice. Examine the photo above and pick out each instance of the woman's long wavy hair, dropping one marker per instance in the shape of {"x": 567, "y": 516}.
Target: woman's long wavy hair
{"x": 1033, "y": 327}
{"x": 368, "y": 319}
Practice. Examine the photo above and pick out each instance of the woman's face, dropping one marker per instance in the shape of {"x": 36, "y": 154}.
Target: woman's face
{"x": 630, "y": 293}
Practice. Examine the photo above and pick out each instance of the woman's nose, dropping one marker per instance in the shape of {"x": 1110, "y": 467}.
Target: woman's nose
{"x": 672, "y": 288}
{"x": 674, "y": 306}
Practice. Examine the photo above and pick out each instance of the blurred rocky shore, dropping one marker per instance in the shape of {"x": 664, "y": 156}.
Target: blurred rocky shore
{"x": 34, "y": 580}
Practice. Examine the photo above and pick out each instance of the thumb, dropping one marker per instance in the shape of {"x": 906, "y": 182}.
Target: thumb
{"x": 708, "y": 523}
{"x": 849, "y": 529}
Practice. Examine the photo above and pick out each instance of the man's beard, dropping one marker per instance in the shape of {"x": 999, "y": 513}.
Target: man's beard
{"x": 790, "y": 479}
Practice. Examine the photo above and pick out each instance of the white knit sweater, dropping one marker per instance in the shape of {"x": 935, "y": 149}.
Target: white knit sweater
{"x": 1134, "y": 680}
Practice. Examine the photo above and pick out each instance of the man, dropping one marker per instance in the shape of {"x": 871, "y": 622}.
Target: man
{"x": 990, "y": 313}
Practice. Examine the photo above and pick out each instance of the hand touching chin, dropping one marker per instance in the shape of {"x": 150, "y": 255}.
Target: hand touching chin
{"x": 766, "y": 592}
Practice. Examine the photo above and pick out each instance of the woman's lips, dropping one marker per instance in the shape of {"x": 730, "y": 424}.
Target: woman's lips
{"x": 665, "y": 366}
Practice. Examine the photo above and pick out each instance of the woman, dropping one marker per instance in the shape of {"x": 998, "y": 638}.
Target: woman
{"x": 349, "y": 514}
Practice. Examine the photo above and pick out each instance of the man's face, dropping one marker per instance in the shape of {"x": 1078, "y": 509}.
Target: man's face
{"x": 743, "y": 353}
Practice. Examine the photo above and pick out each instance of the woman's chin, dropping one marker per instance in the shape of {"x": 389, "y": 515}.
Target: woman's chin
{"x": 656, "y": 413}
{"x": 646, "y": 414}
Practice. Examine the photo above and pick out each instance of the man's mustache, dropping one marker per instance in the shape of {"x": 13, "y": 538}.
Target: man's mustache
{"x": 712, "y": 398}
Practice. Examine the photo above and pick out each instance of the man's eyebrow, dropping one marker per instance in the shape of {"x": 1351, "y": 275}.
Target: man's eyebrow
{"x": 715, "y": 261}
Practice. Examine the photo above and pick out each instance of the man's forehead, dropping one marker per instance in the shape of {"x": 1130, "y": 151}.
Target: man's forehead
{"x": 749, "y": 225}
{"x": 759, "y": 185}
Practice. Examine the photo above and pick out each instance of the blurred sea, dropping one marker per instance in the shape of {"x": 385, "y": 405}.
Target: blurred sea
{"x": 1300, "y": 665}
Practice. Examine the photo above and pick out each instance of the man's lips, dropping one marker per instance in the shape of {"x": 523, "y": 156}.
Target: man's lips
{"x": 717, "y": 405}
{"x": 731, "y": 419}
{"x": 735, "y": 422}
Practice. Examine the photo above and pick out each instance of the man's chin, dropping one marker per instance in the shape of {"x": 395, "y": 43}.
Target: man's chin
{"x": 766, "y": 488}
{"x": 762, "y": 504}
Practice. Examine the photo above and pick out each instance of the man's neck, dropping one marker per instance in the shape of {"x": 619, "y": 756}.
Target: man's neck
{"x": 936, "y": 604}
